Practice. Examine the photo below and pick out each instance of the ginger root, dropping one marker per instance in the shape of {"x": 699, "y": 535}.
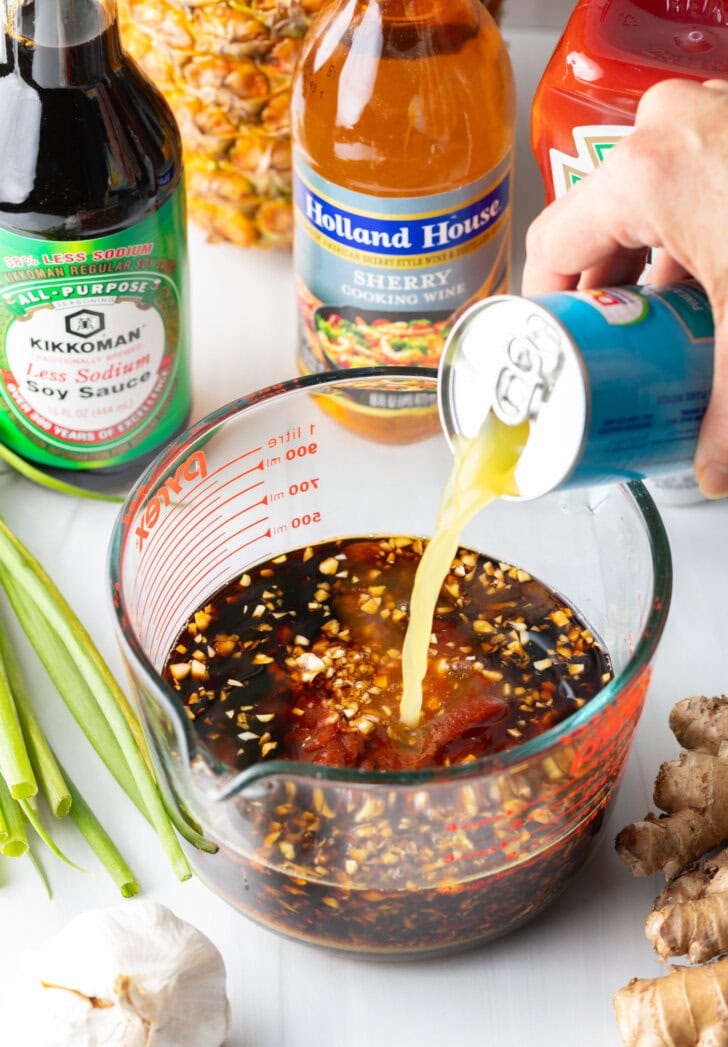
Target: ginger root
{"x": 690, "y": 915}
{"x": 700, "y": 723}
{"x": 686, "y": 1008}
{"x": 692, "y": 791}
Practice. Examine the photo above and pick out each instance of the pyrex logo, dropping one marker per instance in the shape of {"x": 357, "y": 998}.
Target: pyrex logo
{"x": 193, "y": 468}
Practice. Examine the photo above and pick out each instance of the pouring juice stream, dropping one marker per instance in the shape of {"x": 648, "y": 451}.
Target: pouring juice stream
{"x": 483, "y": 470}
{"x": 579, "y": 368}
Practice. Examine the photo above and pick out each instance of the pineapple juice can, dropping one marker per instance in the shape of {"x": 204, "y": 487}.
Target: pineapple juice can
{"x": 614, "y": 381}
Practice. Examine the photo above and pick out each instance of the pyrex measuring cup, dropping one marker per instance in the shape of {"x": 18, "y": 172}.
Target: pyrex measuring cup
{"x": 380, "y": 863}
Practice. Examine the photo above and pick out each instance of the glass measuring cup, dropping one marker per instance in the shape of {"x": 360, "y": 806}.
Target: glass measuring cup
{"x": 383, "y": 863}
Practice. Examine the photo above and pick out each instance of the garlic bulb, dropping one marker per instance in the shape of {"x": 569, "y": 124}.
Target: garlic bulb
{"x": 131, "y": 976}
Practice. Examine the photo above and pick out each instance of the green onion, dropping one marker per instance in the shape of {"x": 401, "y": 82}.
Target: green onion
{"x": 180, "y": 819}
{"x": 31, "y": 585}
{"x": 45, "y": 480}
{"x": 101, "y": 844}
{"x": 187, "y": 830}
{"x": 34, "y": 820}
{"x": 71, "y": 686}
{"x": 92, "y": 695}
{"x": 16, "y": 841}
{"x": 15, "y": 765}
{"x": 42, "y": 760}
{"x": 39, "y": 869}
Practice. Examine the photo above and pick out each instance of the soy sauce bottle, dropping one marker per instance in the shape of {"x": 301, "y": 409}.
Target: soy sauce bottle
{"x": 93, "y": 261}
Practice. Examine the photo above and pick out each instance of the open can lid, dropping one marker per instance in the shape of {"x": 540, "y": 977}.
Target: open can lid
{"x": 512, "y": 355}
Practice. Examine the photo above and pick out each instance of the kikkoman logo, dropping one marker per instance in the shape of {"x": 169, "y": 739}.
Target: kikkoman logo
{"x": 85, "y": 322}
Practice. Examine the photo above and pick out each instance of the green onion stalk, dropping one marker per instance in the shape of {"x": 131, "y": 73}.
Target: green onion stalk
{"x": 29, "y": 768}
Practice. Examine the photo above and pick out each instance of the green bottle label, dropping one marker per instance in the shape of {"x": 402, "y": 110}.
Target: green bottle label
{"x": 93, "y": 342}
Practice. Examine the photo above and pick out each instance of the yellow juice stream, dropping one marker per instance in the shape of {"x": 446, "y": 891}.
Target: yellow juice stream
{"x": 483, "y": 470}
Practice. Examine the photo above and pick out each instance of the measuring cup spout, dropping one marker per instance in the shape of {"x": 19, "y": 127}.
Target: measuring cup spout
{"x": 172, "y": 745}
{"x": 190, "y": 777}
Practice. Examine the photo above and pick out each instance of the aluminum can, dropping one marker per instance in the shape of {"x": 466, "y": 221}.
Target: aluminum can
{"x": 614, "y": 381}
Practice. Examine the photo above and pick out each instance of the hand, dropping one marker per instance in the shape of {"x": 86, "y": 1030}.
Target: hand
{"x": 663, "y": 186}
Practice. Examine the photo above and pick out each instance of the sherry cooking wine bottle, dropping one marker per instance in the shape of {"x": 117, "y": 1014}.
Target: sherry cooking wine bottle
{"x": 403, "y": 116}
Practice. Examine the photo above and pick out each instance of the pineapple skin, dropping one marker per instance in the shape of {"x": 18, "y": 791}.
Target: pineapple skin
{"x": 225, "y": 68}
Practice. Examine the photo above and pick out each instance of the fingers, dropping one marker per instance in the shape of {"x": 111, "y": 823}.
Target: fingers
{"x": 623, "y": 267}
{"x": 643, "y": 195}
{"x": 716, "y": 85}
{"x": 665, "y": 270}
{"x": 664, "y": 187}
{"x": 711, "y": 456}
{"x": 587, "y": 235}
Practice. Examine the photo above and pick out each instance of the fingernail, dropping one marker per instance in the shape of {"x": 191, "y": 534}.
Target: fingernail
{"x": 713, "y": 480}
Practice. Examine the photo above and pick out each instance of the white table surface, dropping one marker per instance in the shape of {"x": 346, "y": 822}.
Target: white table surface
{"x": 551, "y": 983}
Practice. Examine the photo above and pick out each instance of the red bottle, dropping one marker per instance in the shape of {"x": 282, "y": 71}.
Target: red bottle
{"x": 611, "y": 51}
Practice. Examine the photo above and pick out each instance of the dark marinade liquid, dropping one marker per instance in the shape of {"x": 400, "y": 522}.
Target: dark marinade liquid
{"x": 300, "y": 658}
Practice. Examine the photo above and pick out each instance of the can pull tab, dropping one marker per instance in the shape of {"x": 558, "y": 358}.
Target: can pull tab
{"x": 528, "y": 375}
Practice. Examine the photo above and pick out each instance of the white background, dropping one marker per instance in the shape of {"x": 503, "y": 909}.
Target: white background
{"x": 551, "y": 983}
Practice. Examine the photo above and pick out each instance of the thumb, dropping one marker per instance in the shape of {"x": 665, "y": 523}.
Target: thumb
{"x": 711, "y": 455}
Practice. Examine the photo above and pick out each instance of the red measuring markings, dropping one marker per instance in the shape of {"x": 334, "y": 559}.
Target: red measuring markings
{"x": 175, "y": 525}
{"x": 206, "y": 572}
{"x": 207, "y": 550}
{"x": 192, "y": 468}
{"x": 161, "y": 497}
{"x": 193, "y": 566}
{"x": 153, "y": 575}
{"x": 202, "y": 511}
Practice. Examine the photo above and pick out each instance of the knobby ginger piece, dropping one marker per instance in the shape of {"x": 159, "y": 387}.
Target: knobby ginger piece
{"x": 686, "y": 1008}
{"x": 698, "y": 929}
{"x": 707, "y": 877}
{"x": 696, "y": 779}
{"x": 701, "y": 723}
{"x": 693, "y": 791}
{"x": 690, "y": 915}
{"x": 672, "y": 841}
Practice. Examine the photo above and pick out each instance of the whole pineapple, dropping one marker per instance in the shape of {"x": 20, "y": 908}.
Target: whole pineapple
{"x": 225, "y": 68}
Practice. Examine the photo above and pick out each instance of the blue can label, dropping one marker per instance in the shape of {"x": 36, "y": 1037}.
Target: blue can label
{"x": 378, "y": 279}
{"x": 647, "y": 356}
{"x": 614, "y": 382}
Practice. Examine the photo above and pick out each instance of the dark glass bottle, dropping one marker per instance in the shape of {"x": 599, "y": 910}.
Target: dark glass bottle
{"x": 93, "y": 261}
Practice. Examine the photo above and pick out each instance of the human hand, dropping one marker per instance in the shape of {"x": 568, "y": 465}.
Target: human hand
{"x": 663, "y": 186}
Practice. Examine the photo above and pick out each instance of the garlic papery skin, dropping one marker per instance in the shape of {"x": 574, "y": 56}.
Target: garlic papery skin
{"x": 131, "y": 976}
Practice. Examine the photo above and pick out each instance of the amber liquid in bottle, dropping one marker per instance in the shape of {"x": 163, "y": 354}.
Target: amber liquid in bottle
{"x": 90, "y": 147}
{"x": 404, "y": 99}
